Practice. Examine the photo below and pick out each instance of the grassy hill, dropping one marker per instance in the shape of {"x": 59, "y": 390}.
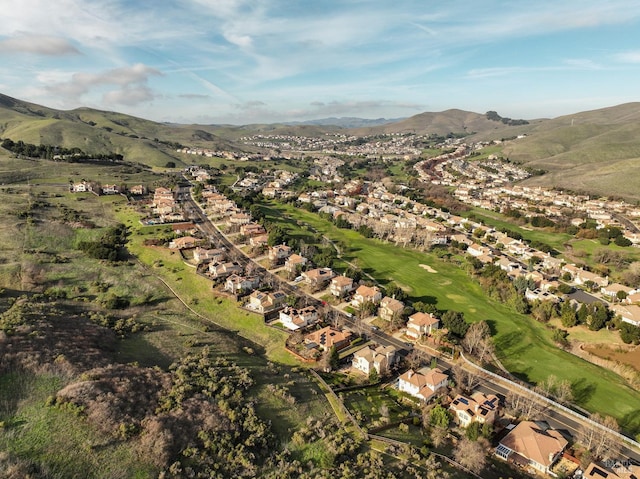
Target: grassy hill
{"x": 449, "y": 121}
{"x": 96, "y": 131}
{"x": 595, "y": 151}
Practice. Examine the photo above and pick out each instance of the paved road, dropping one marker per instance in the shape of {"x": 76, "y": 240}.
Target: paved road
{"x": 556, "y": 418}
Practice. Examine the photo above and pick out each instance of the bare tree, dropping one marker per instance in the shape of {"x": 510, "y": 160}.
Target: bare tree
{"x": 471, "y": 454}
{"x": 434, "y": 468}
{"x": 417, "y": 358}
{"x": 437, "y": 435}
{"x": 601, "y": 442}
{"x": 525, "y": 406}
{"x": 474, "y": 336}
{"x": 466, "y": 380}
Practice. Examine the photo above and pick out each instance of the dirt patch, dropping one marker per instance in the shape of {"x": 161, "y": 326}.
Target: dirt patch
{"x": 630, "y": 356}
{"x": 428, "y": 268}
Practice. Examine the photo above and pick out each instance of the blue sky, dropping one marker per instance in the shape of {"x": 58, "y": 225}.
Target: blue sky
{"x": 249, "y": 61}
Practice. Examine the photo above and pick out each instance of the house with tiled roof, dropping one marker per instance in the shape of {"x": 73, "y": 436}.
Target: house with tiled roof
{"x": 222, "y": 270}
{"x": 616, "y": 470}
{"x": 293, "y": 318}
{"x": 532, "y": 444}
{"x": 295, "y": 263}
{"x": 611, "y": 290}
{"x": 479, "y": 408}
{"x": 263, "y": 302}
{"x": 366, "y": 294}
{"x": 340, "y": 286}
{"x": 390, "y": 308}
{"x": 279, "y": 253}
{"x": 380, "y": 358}
{"x": 421, "y": 324}
{"x": 629, "y": 313}
{"x": 318, "y": 277}
{"x": 237, "y": 284}
{"x": 184, "y": 242}
{"x": 424, "y": 383}
{"x": 201, "y": 255}
{"x": 328, "y": 337}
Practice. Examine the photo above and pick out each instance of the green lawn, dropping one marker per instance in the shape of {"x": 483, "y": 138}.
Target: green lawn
{"x": 82, "y": 452}
{"x": 524, "y": 345}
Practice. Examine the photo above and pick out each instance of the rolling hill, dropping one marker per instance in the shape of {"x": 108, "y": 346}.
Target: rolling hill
{"x": 594, "y": 151}
{"x": 96, "y": 131}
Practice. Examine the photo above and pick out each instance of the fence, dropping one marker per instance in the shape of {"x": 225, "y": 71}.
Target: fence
{"x": 554, "y": 404}
{"x": 339, "y": 401}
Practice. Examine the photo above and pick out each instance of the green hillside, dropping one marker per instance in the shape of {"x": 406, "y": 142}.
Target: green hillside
{"x": 99, "y": 132}
{"x": 595, "y": 151}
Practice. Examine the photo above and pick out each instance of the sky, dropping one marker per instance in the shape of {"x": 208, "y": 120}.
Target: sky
{"x": 265, "y": 61}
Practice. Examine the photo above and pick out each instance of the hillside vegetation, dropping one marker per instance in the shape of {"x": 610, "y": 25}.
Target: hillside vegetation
{"x": 587, "y": 151}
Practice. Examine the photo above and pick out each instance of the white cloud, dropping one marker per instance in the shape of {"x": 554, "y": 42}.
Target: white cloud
{"x": 632, "y": 56}
{"x": 129, "y": 95}
{"x": 131, "y": 80}
{"x": 37, "y": 44}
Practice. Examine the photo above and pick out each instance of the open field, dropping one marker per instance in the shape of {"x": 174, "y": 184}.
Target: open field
{"x": 524, "y": 345}
{"x": 40, "y": 254}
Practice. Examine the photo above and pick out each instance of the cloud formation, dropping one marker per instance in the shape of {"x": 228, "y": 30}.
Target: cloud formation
{"x": 38, "y": 45}
{"x": 131, "y": 80}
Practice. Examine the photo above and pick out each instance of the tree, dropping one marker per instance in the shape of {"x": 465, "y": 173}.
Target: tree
{"x": 374, "y": 377}
{"x": 170, "y": 164}
{"x": 472, "y": 432}
{"x": 439, "y": 417}
{"x": 466, "y": 380}
{"x": 475, "y": 334}
{"x": 331, "y": 359}
{"x": 602, "y": 442}
{"x": 567, "y": 315}
{"x": 455, "y": 323}
{"x": 471, "y": 454}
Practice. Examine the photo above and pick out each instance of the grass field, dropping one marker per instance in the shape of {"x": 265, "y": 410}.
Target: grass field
{"x": 524, "y": 345}
{"x": 57, "y": 440}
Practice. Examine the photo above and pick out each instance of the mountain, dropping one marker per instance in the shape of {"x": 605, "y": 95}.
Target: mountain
{"x": 445, "y": 122}
{"x": 345, "y": 122}
{"x": 594, "y": 151}
{"x": 96, "y": 131}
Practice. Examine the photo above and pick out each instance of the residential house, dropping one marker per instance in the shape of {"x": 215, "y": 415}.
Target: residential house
{"x": 633, "y": 298}
{"x": 612, "y": 290}
{"x": 239, "y": 219}
{"x": 184, "y": 242}
{"x": 81, "y": 187}
{"x": 259, "y": 241}
{"x": 279, "y": 253}
{"x": 319, "y": 277}
{"x": 390, "y": 308}
{"x": 110, "y": 189}
{"x": 295, "y": 263}
{"x": 264, "y": 302}
{"x": 239, "y": 285}
{"x": 629, "y": 313}
{"x": 201, "y": 255}
{"x": 222, "y": 270}
{"x": 366, "y": 294}
{"x": 293, "y": 319}
{"x": 424, "y": 383}
{"x": 421, "y": 324}
{"x": 532, "y": 444}
{"x": 582, "y": 277}
{"x": 380, "y": 358}
{"x": 617, "y": 470}
{"x": 328, "y": 337}
{"x": 252, "y": 229}
{"x": 479, "y": 408}
{"x": 137, "y": 190}
{"x": 341, "y": 286}
{"x": 184, "y": 228}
